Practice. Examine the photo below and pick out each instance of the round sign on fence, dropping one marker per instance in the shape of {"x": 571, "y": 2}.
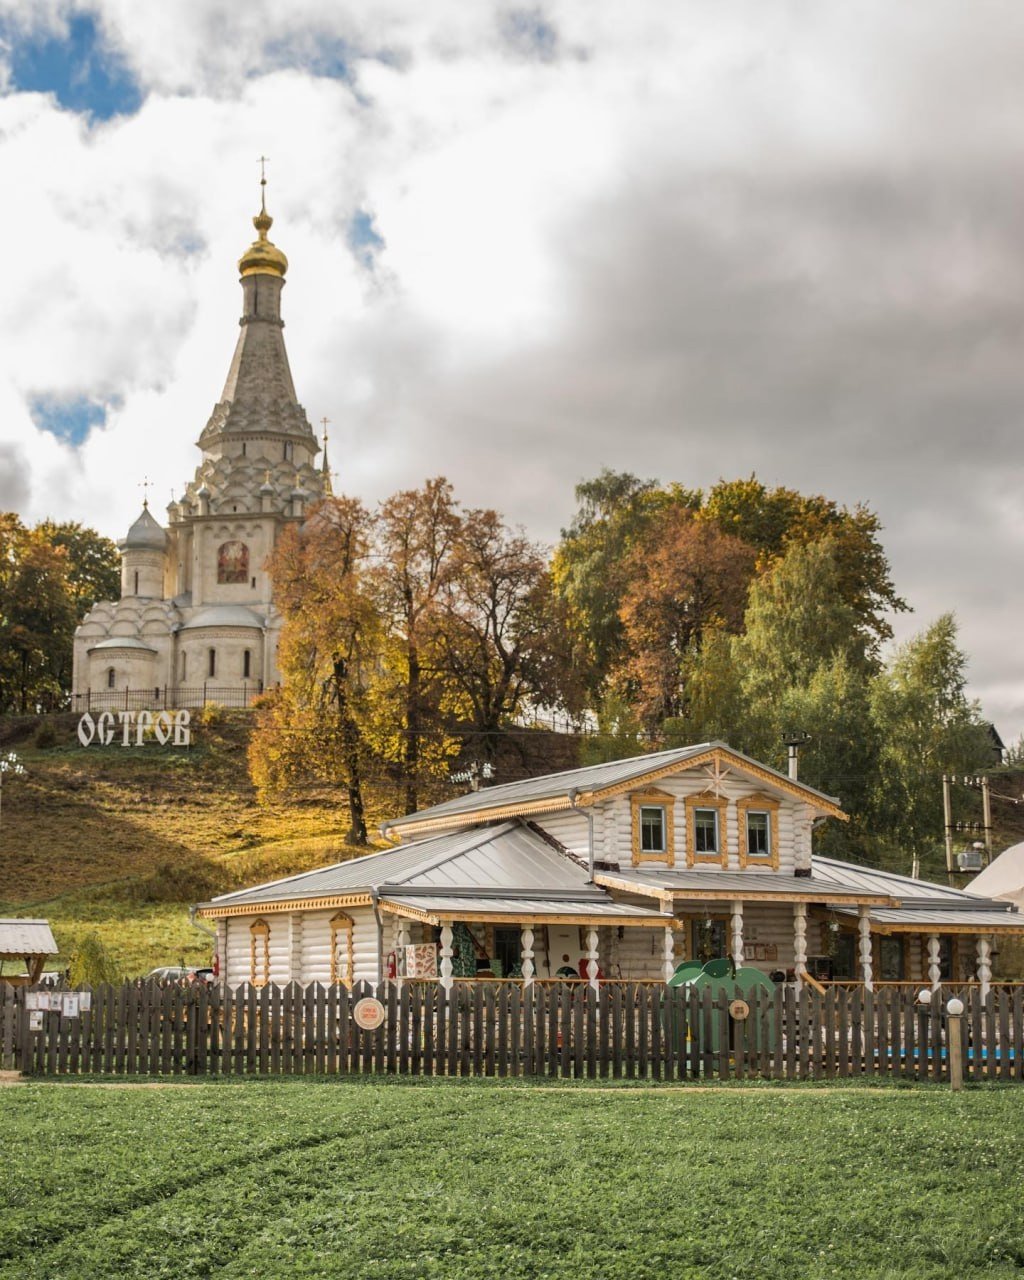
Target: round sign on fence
{"x": 368, "y": 1014}
{"x": 739, "y": 1009}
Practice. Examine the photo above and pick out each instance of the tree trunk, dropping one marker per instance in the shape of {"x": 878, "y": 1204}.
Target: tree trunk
{"x": 350, "y": 754}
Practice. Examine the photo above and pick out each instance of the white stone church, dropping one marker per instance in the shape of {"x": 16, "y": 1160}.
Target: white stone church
{"x": 196, "y": 618}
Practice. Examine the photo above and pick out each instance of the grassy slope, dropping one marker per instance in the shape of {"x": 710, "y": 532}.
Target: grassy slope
{"x": 123, "y": 840}
{"x": 468, "y": 1181}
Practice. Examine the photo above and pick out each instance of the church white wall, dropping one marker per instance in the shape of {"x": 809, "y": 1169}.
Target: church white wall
{"x": 142, "y": 574}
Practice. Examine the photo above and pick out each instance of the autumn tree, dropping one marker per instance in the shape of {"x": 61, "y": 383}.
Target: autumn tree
{"x": 685, "y": 579}
{"x": 416, "y": 540}
{"x": 499, "y": 642}
{"x": 329, "y": 656}
{"x": 93, "y": 563}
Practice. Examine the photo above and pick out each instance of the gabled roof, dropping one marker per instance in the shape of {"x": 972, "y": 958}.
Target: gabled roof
{"x": 593, "y": 783}
{"x": 26, "y": 938}
{"x": 483, "y": 872}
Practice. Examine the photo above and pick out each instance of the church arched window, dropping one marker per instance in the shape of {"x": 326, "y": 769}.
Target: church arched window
{"x": 233, "y": 562}
{"x": 111, "y": 677}
{"x": 247, "y": 664}
{"x": 211, "y": 663}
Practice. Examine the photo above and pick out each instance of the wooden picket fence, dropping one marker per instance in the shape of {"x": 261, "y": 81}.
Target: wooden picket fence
{"x": 620, "y": 1031}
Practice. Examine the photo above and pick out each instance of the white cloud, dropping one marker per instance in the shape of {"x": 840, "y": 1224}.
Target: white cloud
{"x": 687, "y": 241}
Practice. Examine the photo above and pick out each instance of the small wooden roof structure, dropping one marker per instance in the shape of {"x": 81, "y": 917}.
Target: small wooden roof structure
{"x": 29, "y": 940}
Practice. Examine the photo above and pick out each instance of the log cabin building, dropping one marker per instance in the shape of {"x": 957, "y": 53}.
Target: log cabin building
{"x": 620, "y": 870}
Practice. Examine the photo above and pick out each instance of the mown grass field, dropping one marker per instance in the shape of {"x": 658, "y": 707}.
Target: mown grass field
{"x": 121, "y": 841}
{"x": 466, "y": 1180}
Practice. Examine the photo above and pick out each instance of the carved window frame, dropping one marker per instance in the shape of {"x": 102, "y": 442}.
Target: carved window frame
{"x": 758, "y": 802}
{"x": 342, "y": 924}
{"x": 652, "y": 798}
{"x": 706, "y": 800}
{"x": 259, "y": 953}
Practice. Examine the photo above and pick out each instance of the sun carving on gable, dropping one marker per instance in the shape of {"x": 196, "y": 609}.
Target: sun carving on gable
{"x": 716, "y": 774}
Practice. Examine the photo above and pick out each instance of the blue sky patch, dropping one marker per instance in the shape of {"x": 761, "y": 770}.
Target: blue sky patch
{"x": 364, "y": 239}
{"x": 530, "y": 34}
{"x": 77, "y": 68}
{"x": 68, "y": 420}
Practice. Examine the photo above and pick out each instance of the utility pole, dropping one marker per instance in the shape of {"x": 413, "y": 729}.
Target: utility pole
{"x": 947, "y": 809}
{"x": 986, "y": 811}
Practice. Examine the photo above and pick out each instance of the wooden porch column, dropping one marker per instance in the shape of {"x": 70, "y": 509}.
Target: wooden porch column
{"x": 934, "y": 966}
{"x": 527, "y": 953}
{"x": 737, "y": 934}
{"x": 799, "y": 940}
{"x": 401, "y": 941}
{"x": 864, "y": 926}
{"x": 592, "y": 957}
{"x": 669, "y": 966}
{"x": 984, "y": 946}
{"x": 446, "y": 957}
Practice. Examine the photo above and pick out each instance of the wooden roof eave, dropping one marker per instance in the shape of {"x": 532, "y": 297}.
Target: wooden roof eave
{"x": 211, "y": 911}
{"x": 974, "y": 930}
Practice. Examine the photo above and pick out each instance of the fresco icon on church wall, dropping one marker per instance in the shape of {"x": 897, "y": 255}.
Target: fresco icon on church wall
{"x": 233, "y": 562}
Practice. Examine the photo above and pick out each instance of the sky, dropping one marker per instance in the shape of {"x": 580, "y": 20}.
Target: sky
{"x": 691, "y": 241}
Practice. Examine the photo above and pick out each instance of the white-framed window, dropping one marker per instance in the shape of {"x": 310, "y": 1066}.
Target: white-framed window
{"x": 705, "y": 831}
{"x": 652, "y": 828}
{"x": 759, "y": 834}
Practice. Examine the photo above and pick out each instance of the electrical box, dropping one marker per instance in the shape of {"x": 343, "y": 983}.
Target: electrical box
{"x": 969, "y": 860}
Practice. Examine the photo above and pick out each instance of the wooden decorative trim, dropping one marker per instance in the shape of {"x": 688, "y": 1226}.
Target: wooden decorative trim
{"x": 586, "y": 799}
{"x": 407, "y": 912}
{"x": 759, "y": 803}
{"x": 653, "y": 798}
{"x": 470, "y": 916}
{"x": 213, "y": 912}
{"x": 259, "y": 953}
{"x": 342, "y": 923}
{"x": 707, "y": 800}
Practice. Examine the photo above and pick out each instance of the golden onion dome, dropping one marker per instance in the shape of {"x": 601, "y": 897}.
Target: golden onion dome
{"x": 262, "y": 257}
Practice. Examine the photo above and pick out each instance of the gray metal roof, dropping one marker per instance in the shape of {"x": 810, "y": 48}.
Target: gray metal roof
{"x": 595, "y": 777}
{"x": 747, "y": 885}
{"x": 924, "y": 918}
{"x": 27, "y": 938}
{"x": 121, "y": 642}
{"x": 224, "y": 615}
{"x": 909, "y": 891}
{"x": 582, "y": 905}
{"x": 489, "y": 859}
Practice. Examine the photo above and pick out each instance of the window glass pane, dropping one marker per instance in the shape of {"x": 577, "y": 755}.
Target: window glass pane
{"x": 707, "y": 940}
{"x": 652, "y": 829}
{"x": 946, "y": 959}
{"x": 705, "y": 830}
{"x": 845, "y": 962}
{"x": 757, "y": 834}
{"x": 891, "y": 960}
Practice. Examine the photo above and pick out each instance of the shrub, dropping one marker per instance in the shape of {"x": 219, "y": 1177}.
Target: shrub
{"x": 46, "y": 736}
{"x": 92, "y": 963}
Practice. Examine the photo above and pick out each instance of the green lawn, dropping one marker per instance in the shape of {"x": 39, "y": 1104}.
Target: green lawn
{"x": 387, "y": 1180}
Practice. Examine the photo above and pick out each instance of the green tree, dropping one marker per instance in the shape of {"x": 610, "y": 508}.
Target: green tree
{"x": 37, "y": 619}
{"x": 927, "y": 726}
{"x": 93, "y": 563}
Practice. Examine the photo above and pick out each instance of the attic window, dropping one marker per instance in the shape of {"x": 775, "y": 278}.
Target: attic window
{"x": 757, "y": 820}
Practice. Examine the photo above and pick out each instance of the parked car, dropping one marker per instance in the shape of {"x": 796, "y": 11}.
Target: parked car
{"x": 180, "y": 973}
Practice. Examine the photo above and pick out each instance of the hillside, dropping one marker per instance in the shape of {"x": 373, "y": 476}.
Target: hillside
{"x": 122, "y": 841}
